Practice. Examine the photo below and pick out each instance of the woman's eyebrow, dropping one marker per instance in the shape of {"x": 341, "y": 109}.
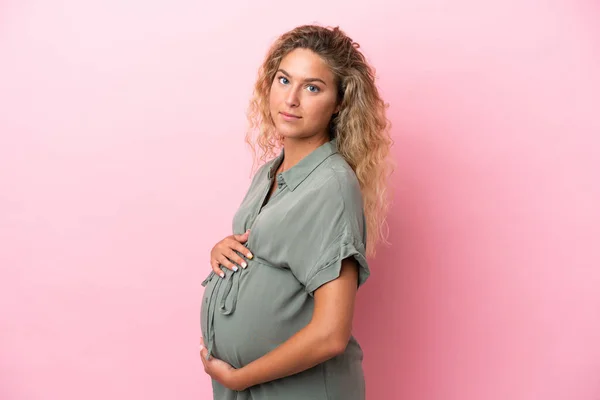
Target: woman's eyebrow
{"x": 306, "y": 80}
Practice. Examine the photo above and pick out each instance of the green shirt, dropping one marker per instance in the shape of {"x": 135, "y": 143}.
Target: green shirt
{"x": 298, "y": 238}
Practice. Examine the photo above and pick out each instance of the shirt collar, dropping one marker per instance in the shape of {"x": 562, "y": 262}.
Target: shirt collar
{"x": 299, "y": 172}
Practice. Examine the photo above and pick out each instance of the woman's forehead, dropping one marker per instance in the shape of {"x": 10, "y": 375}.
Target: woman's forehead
{"x": 305, "y": 64}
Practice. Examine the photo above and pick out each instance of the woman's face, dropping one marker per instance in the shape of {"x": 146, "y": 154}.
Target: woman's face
{"x": 303, "y": 95}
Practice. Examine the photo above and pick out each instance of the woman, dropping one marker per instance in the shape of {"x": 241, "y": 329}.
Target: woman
{"x": 278, "y": 305}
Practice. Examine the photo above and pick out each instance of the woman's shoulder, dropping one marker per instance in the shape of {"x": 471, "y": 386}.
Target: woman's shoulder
{"x": 337, "y": 167}
{"x": 339, "y": 191}
{"x": 342, "y": 178}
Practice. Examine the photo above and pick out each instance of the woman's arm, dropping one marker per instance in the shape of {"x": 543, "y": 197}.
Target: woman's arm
{"x": 325, "y": 336}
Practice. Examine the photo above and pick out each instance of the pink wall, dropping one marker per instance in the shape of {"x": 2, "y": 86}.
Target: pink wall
{"x": 122, "y": 163}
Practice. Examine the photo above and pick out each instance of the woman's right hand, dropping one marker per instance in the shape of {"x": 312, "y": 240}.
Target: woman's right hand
{"x": 223, "y": 253}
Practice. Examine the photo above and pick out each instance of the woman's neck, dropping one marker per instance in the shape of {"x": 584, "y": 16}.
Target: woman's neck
{"x": 297, "y": 149}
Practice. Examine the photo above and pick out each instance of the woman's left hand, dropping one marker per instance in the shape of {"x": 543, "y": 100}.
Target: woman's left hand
{"x": 219, "y": 370}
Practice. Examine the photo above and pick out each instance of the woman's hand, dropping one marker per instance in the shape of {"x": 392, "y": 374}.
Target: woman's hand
{"x": 223, "y": 253}
{"x": 219, "y": 370}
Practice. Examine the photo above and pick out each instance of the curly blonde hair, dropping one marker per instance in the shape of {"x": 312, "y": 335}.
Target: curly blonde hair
{"x": 361, "y": 126}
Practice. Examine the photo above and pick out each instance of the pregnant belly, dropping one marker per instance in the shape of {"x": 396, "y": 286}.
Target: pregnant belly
{"x": 252, "y": 311}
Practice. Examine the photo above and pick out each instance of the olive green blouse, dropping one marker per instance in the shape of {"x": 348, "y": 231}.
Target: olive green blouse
{"x": 298, "y": 238}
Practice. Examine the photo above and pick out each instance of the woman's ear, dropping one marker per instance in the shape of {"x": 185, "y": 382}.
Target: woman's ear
{"x": 336, "y": 110}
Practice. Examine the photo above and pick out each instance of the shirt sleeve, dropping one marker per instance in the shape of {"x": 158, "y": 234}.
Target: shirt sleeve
{"x": 333, "y": 230}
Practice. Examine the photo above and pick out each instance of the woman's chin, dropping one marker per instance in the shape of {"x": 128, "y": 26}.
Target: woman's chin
{"x": 293, "y": 133}
{"x": 290, "y": 135}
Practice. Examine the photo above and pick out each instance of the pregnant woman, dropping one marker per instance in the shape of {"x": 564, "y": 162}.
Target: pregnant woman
{"x": 277, "y": 309}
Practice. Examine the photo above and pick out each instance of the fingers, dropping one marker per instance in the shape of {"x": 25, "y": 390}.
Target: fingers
{"x": 215, "y": 267}
{"x": 223, "y": 254}
{"x": 241, "y": 249}
{"x": 232, "y": 244}
{"x": 224, "y": 261}
{"x": 243, "y": 238}
{"x": 233, "y": 256}
{"x": 203, "y": 354}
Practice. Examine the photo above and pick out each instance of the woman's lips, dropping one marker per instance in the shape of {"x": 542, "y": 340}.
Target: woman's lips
{"x": 289, "y": 117}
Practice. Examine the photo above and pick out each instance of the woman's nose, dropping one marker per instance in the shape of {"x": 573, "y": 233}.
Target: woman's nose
{"x": 292, "y": 99}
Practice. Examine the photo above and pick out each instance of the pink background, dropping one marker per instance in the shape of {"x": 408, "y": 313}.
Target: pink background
{"x": 122, "y": 162}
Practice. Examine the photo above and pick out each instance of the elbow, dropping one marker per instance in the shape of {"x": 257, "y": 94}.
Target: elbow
{"x": 329, "y": 342}
{"x": 335, "y": 344}
{"x": 338, "y": 347}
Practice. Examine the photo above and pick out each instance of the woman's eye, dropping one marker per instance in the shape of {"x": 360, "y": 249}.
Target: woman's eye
{"x": 283, "y": 80}
{"x": 313, "y": 89}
